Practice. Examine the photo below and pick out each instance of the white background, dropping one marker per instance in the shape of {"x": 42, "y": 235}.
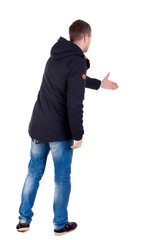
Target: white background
{"x": 116, "y": 180}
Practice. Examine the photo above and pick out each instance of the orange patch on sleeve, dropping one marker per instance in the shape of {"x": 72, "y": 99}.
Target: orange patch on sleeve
{"x": 84, "y": 76}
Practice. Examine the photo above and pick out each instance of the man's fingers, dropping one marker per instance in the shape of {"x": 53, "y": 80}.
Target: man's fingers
{"x": 114, "y": 85}
{"x": 74, "y": 147}
{"x": 108, "y": 75}
{"x": 76, "y": 144}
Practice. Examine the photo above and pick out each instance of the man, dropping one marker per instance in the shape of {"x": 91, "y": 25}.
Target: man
{"x": 57, "y": 123}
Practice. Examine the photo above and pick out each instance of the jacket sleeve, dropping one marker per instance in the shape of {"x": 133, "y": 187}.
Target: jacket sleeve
{"x": 75, "y": 96}
{"x": 92, "y": 83}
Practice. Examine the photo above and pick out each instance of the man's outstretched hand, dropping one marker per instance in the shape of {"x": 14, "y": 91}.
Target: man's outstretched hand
{"x": 108, "y": 84}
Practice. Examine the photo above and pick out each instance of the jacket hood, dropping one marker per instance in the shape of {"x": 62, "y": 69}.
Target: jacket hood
{"x": 64, "y": 48}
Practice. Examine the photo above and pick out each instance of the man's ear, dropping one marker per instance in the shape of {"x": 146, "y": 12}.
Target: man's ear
{"x": 85, "y": 38}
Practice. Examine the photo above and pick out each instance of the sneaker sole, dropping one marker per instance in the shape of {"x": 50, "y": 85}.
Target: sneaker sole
{"x": 62, "y": 233}
{"x": 23, "y": 229}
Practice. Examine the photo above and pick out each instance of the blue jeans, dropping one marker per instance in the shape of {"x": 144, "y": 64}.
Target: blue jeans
{"x": 62, "y": 158}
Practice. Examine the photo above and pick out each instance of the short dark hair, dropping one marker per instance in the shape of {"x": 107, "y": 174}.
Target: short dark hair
{"x": 78, "y": 29}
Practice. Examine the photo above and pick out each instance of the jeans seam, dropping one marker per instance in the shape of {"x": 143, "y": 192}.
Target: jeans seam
{"x": 34, "y": 148}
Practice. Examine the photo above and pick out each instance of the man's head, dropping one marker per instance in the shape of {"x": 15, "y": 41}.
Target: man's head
{"x": 80, "y": 34}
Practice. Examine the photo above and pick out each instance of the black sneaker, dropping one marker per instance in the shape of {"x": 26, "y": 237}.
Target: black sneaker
{"x": 70, "y": 226}
{"x": 22, "y": 227}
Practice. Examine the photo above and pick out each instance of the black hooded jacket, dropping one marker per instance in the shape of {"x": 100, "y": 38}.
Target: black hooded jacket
{"x": 58, "y": 110}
